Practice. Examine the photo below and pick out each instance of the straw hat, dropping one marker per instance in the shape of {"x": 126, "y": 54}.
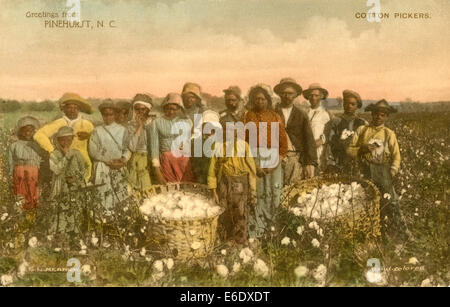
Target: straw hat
{"x": 350, "y": 93}
{"x": 381, "y": 105}
{"x": 192, "y": 88}
{"x": 233, "y": 89}
{"x": 82, "y": 103}
{"x": 172, "y": 98}
{"x": 312, "y": 87}
{"x": 287, "y": 82}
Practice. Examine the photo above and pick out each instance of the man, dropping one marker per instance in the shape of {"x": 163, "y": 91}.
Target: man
{"x": 342, "y": 128}
{"x": 192, "y": 101}
{"x": 123, "y": 112}
{"x": 235, "y": 110}
{"x": 376, "y": 149}
{"x": 71, "y": 104}
{"x": 301, "y": 145}
{"x": 319, "y": 118}
{"x": 108, "y": 147}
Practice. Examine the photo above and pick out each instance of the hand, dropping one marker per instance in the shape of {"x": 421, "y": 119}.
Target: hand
{"x": 393, "y": 173}
{"x": 83, "y": 135}
{"x": 253, "y": 200}
{"x": 159, "y": 176}
{"x": 309, "y": 171}
{"x": 366, "y": 148}
{"x": 215, "y": 197}
{"x": 260, "y": 172}
{"x": 319, "y": 142}
{"x": 70, "y": 179}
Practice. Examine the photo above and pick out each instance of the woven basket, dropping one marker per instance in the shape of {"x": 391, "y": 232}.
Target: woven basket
{"x": 363, "y": 217}
{"x": 174, "y": 238}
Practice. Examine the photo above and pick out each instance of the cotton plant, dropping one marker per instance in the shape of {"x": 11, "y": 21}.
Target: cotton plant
{"x": 179, "y": 206}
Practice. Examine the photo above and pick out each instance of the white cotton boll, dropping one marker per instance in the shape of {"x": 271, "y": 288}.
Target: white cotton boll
{"x": 23, "y": 268}
{"x": 158, "y": 265}
{"x": 169, "y": 263}
{"x": 261, "y": 268}
{"x": 222, "y": 270}
{"x": 196, "y": 245}
{"x": 320, "y": 273}
{"x": 315, "y": 215}
{"x": 315, "y": 243}
{"x": 86, "y": 270}
{"x": 177, "y": 214}
{"x": 285, "y": 241}
{"x": 33, "y": 242}
{"x": 300, "y": 230}
{"x": 301, "y": 271}
{"x": 320, "y": 232}
{"x": 6, "y": 280}
{"x": 236, "y": 267}
{"x": 413, "y": 260}
{"x": 4, "y": 216}
{"x": 246, "y": 255}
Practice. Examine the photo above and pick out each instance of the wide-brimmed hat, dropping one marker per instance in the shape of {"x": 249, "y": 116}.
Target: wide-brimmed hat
{"x": 28, "y": 120}
{"x": 108, "y": 104}
{"x": 193, "y": 88}
{"x": 82, "y": 103}
{"x": 123, "y": 105}
{"x": 172, "y": 98}
{"x": 381, "y": 105}
{"x": 287, "y": 82}
{"x": 312, "y": 87}
{"x": 233, "y": 89}
{"x": 350, "y": 93}
{"x": 64, "y": 131}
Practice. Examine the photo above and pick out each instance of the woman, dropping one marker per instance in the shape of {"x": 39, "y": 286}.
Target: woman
{"x": 170, "y": 137}
{"x": 109, "y": 152}
{"x": 139, "y": 131}
{"x": 270, "y": 179}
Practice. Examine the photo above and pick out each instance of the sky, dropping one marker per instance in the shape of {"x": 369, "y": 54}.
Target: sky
{"x": 157, "y": 46}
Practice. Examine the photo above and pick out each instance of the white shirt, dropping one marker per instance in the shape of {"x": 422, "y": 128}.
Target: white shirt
{"x": 318, "y": 119}
{"x": 71, "y": 122}
{"x": 286, "y": 114}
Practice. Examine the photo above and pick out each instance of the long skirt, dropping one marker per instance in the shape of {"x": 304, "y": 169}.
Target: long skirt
{"x": 139, "y": 175}
{"x": 25, "y": 184}
{"x": 268, "y": 190}
{"x": 233, "y": 192}
{"x": 176, "y": 169}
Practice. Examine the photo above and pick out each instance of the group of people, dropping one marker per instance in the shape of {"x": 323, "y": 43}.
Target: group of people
{"x": 130, "y": 150}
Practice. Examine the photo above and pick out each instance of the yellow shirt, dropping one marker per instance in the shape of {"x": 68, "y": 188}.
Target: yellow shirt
{"x": 368, "y": 132}
{"x": 43, "y": 137}
{"x": 221, "y": 165}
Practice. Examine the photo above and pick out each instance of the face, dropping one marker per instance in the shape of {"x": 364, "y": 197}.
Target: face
{"x": 231, "y": 101}
{"x": 108, "y": 115}
{"x": 26, "y": 133}
{"x": 260, "y": 102}
{"x": 287, "y": 95}
{"x": 65, "y": 141}
{"x": 121, "y": 116}
{"x": 350, "y": 105}
{"x": 171, "y": 110}
{"x": 71, "y": 110}
{"x": 189, "y": 100}
{"x": 141, "y": 111}
{"x": 315, "y": 97}
{"x": 379, "y": 117}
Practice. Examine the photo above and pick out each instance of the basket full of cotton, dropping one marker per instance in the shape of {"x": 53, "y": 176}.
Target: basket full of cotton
{"x": 183, "y": 219}
{"x": 352, "y": 202}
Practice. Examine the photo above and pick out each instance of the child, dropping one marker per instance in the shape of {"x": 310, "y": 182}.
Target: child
{"x": 341, "y": 131}
{"x": 68, "y": 167}
{"x": 376, "y": 148}
{"x": 24, "y": 162}
{"x": 232, "y": 181}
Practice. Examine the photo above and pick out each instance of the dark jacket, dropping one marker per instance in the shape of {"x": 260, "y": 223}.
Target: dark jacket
{"x": 300, "y": 133}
